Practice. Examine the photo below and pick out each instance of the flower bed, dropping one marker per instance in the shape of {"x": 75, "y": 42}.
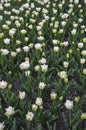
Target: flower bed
{"x": 42, "y": 64}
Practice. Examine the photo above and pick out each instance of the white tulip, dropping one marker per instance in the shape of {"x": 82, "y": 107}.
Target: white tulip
{"x": 29, "y": 116}
{"x": 68, "y": 104}
{"x": 2, "y": 126}
{"x": 9, "y": 111}
{"x": 39, "y": 101}
{"x": 7, "y": 41}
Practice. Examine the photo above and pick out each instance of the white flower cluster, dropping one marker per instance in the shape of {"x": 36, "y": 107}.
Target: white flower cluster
{"x": 41, "y": 38}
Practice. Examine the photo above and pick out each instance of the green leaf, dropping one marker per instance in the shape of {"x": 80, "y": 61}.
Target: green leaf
{"x": 39, "y": 127}
{"x": 22, "y": 128}
{"x": 14, "y": 127}
{"x": 49, "y": 127}
{"x": 54, "y": 127}
{"x": 65, "y": 120}
{"x": 75, "y": 126}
